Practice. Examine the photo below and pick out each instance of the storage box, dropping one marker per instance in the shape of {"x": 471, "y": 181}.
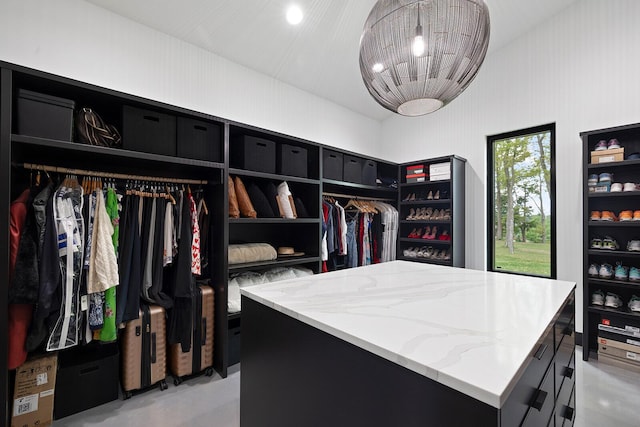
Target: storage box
{"x": 419, "y": 177}
{"x": 369, "y": 172}
{"x": 87, "y": 377}
{"x": 148, "y": 131}
{"x": 440, "y": 177}
{"x": 415, "y": 169}
{"x": 199, "y": 140}
{"x": 253, "y": 153}
{"x": 621, "y": 363}
{"x": 607, "y": 156}
{"x": 34, "y": 392}
{"x": 332, "y": 164}
{"x": 45, "y": 116}
{"x": 601, "y": 187}
{"x": 621, "y": 345}
{"x": 292, "y": 160}
{"x": 352, "y": 169}
{"x": 440, "y": 169}
{"x": 632, "y": 357}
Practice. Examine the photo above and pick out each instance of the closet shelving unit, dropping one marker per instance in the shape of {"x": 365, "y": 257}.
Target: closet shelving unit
{"x": 622, "y": 231}
{"x": 304, "y": 234}
{"x": 451, "y": 197}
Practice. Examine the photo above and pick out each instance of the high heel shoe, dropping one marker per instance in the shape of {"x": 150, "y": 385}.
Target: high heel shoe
{"x": 447, "y": 214}
{"x": 427, "y": 232}
{"x": 432, "y": 236}
{"x": 437, "y": 195}
{"x": 413, "y": 233}
{"x": 445, "y": 235}
{"x": 430, "y": 195}
{"x": 406, "y": 199}
{"x": 412, "y": 197}
{"x": 427, "y": 213}
{"x": 412, "y": 214}
{"x": 420, "y": 213}
{"x": 435, "y": 215}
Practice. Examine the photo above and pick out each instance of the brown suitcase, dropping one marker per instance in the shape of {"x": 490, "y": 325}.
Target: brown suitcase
{"x": 200, "y": 357}
{"x": 144, "y": 351}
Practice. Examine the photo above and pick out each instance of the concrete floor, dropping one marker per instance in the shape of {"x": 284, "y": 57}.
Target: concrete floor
{"x": 605, "y": 396}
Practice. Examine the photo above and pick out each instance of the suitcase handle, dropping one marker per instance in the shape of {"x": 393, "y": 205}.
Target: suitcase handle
{"x": 153, "y": 347}
{"x": 203, "y": 338}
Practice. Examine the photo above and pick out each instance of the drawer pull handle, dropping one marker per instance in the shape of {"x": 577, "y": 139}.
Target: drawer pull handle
{"x": 538, "y": 402}
{"x": 541, "y": 350}
{"x": 568, "y": 413}
{"x": 261, "y": 144}
{"x": 202, "y": 128}
{"x": 567, "y": 331}
{"x": 89, "y": 369}
{"x": 568, "y": 372}
{"x": 152, "y": 118}
{"x": 333, "y": 156}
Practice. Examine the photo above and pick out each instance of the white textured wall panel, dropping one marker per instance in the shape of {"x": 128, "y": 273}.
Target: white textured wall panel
{"x": 76, "y": 39}
{"x": 579, "y": 70}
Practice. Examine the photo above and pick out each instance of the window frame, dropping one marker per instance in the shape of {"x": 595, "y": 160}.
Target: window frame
{"x": 551, "y": 128}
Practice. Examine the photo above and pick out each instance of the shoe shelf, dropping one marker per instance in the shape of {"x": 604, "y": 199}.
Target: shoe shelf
{"x": 271, "y": 176}
{"x": 285, "y": 262}
{"x": 274, "y": 221}
{"x": 426, "y": 242}
{"x": 423, "y": 202}
{"x": 426, "y": 260}
{"x": 622, "y": 312}
{"x": 623, "y": 171}
{"x": 426, "y": 183}
{"x": 613, "y": 282}
{"x": 425, "y": 221}
{"x": 613, "y": 223}
{"x": 607, "y": 252}
{"x": 596, "y": 166}
{"x": 615, "y": 194}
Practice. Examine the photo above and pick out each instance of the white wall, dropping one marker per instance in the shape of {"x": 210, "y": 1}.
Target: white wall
{"x": 581, "y": 70}
{"x": 76, "y": 39}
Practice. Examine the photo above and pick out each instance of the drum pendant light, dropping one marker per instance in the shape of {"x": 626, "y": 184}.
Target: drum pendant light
{"x": 417, "y": 56}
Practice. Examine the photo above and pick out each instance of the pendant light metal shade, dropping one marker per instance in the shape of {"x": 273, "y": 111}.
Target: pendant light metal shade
{"x": 417, "y": 56}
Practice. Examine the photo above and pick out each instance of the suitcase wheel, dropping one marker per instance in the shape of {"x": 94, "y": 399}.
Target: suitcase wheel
{"x": 209, "y": 372}
{"x": 127, "y": 395}
{"x": 177, "y": 381}
{"x": 163, "y": 385}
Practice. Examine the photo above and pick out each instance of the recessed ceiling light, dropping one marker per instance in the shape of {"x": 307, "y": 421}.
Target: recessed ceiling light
{"x": 294, "y": 14}
{"x": 377, "y": 67}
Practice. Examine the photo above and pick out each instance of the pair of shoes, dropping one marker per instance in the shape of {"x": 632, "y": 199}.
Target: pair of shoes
{"x": 410, "y": 253}
{"x": 446, "y": 216}
{"x": 629, "y": 186}
{"x": 604, "y": 145}
{"x": 432, "y": 196}
{"x": 412, "y": 215}
{"x": 415, "y": 233}
{"x": 593, "y": 270}
{"x": 425, "y": 252}
{"x": 603, "y": 216}
{"x": 634, "y": 274}
{"x": 445, "y": 235}
{"x": 430, "y": 234}
{"x": 634, "y": 304}
{"x": 633, "y": 245}
{"x": 605, "y": 177}
{"x": 410, "y": 197}
{"x": 626, "y": 216}
{"x": 597, "y": 298}
{"x": 622, "y": 272}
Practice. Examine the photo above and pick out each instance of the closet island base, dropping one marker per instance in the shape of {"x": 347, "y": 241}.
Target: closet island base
{"x": 386, "y": 345}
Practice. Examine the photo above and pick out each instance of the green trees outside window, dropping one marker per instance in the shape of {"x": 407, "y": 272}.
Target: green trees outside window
{"x": 521, "y": 193}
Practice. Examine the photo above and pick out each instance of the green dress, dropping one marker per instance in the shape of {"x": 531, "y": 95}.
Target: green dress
{"x": 108, "y": 333}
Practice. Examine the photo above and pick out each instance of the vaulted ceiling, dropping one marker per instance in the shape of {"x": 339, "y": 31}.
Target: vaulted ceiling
{"x": 320, "y": 55}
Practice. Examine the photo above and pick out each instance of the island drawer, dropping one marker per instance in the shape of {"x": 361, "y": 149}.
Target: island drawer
{"x": 565, "y": 323}
{"x": 541, "y": 403}
{"x": 565, "y": 412}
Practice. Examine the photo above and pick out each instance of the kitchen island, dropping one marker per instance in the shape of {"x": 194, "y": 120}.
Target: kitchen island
{"x": 408, "y": 344}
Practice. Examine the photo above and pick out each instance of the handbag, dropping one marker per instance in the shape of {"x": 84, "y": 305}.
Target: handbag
{"x": 92, "y": 130}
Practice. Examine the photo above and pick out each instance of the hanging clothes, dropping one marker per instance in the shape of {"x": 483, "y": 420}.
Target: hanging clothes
{"x": 128, "y": 304}
{"x": 109, "y": 331}
{"x": 69, "y": 226}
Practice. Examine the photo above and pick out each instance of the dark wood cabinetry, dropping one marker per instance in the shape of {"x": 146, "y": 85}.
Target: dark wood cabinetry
{"x": 611, "y": 243}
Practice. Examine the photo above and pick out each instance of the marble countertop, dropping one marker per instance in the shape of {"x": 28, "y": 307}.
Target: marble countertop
{"x": 473, "y": 331}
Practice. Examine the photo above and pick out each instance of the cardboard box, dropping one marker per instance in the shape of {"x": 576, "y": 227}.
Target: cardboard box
{"x": 628, "y": 346}
{"x": 629, "y": 356}
{"x": 34, "y": 392}
{"x": 440, "y": 169}
{"x": 418, "y": 177}
{"x": 607, "y": 156}
{"x": 621, "y": 363}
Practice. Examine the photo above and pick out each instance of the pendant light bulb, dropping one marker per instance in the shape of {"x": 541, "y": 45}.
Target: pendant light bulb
{"x": 417, "y": 47}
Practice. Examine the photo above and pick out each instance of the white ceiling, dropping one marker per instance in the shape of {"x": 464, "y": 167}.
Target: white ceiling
{"x": 320, "y": 55}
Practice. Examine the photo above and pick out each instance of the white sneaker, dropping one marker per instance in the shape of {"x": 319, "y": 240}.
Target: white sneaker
{"x": 612, "y": 300}
{"x": 597, "y": 298}
{"x": 634, "y": 303}
{"x": 594, "y": 270}
{"x": 616, "y": 187}
{"x": 629, "y": 186}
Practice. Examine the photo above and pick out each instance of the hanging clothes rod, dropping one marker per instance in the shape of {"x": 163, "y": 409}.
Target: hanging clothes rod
{"x": 351, "y": 196}
{"x": 83, "y": 172}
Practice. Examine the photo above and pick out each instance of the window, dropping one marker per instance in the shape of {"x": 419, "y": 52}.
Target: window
{"x": 521, "y": 195}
